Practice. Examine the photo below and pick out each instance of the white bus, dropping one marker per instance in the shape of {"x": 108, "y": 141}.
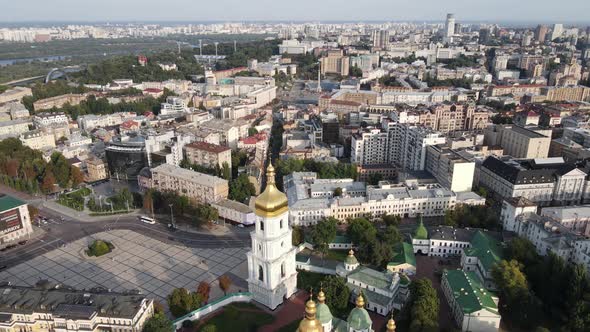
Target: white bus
{"x": 147, "y": 220}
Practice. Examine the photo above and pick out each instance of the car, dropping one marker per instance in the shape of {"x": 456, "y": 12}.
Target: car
{"x": 241, "y": 225}
{"x": 23, "y": 242}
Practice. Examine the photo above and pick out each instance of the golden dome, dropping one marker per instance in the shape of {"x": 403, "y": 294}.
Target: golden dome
{"x": 321, "y": 296}
{"x": 360, "y": 301}
{"x": 310, "y": 323}
{"x": 391, "y": 324}
{"x": 271, "y": 202}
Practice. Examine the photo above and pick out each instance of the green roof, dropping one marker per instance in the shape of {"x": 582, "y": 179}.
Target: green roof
{"x": 421, "y": 232}
{"x": 323, "y": 313}
{"x": 469, "y": 292}
{"x": 404, "y": 254}
{"x": 371, "y": 277}
{"x": 9, "y": 203}
{"x": 359, "y": 319}
{"x": 486, "y": 249}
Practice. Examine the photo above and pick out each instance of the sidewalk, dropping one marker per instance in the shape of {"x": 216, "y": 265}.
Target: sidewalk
{"x": 83, "y": 216}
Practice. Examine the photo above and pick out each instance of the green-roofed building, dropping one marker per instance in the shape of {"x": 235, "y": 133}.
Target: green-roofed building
{"x": 473, "y": 307}
{"x": 481, "y": 256}
{"x": 404, "y": 259}
{"x": 15, "y": 223}
{"x": 420, "y": 241}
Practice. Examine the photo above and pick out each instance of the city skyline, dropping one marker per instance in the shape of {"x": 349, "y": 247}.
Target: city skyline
{"x": 573, "y": 11}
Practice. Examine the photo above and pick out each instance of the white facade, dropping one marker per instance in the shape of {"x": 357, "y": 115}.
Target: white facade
{"x": 271, "y": 262}
{"x": 46, "y": 119}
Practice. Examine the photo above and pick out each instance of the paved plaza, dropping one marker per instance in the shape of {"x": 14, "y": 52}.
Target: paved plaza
{"x": 138, "y": 262}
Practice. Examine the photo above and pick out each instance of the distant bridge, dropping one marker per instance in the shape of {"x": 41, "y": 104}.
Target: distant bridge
{"x": 56, "y": 73}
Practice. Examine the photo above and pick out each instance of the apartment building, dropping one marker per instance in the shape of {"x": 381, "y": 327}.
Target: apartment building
{"x": 447, "y": 117}
{"x": 38, "y": 140}
{"x": 64, "y": 309}
{"x": 15, "y": 94}
{"x": 58, "y": 101}
{"x": 198, "y": 187}
{"x": 208, "y": 155}
{"x": 566, "y": 93}
{"x": 451, "y": 169}
{"x": 15, "y": 127}
{"x": 400, "y": 144}
{"x": 97, "y": 169}
{"x": 91, "y": 121}
{"x": 46, "y": 119}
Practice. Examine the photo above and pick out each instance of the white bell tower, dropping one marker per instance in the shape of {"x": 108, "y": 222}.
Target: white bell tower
{"x": 271, "y": 262}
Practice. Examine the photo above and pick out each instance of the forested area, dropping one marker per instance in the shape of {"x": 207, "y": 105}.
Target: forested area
{"x": 24, "y": 169}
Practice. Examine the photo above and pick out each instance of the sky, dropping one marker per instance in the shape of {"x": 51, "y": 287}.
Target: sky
{"x": 294, "y": 10}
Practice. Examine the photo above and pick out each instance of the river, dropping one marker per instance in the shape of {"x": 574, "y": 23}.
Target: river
{"x": 52, "y": 58}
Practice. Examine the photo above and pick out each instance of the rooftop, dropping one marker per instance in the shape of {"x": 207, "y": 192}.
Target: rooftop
{"x": 9, "y": 202}
{"x": 213, "y": 148}
{"x": 188, "y": 175}
{"x": 68, "y": 303}
{"x": 468, "y": 291}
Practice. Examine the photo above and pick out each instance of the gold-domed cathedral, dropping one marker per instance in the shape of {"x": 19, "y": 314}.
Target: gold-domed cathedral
{"x": 271, "y": 262}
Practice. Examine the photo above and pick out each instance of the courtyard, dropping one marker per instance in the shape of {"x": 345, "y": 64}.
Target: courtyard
{"x": 137, "y": 262}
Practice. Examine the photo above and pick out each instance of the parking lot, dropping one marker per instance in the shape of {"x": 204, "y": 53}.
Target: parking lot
{"x": 138, "y": 262}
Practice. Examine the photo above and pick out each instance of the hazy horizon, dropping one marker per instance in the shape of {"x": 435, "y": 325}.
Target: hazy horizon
{"x": 176, "y": 11}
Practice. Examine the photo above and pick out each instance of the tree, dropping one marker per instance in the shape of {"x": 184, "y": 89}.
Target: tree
{"x": 225, "y": 283}
{"x": 181, "y": 302}
{"x": 77, "y": 177}
{"x": 48, "y": 184}
{"x": 297, "y": 236}
{"x": 338, "y": 192}
{"x": 209, "y": 328}
{"x": 337, "y": 295}
{"x": 225, "y": 171}
{"x": 252, "y": 131}
{"x": 12, "y": 167}
{"x": 203, "y": 290}
{"x": 356, "y": 71}
{"x": 33, "y": 211}
{"x": 390, "y": 236}
{"x": 158, "y": 323}
{"x": 391, "y": 220}
{"x": 323, "y": 233}
{"x": 424, "y": 306}
{"x": 148, "y": 201}
{"x": 360, "y": 229}
{"x": 241, "y": 189}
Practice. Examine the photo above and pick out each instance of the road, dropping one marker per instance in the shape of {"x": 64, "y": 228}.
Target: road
{"x": 60, "y": 232}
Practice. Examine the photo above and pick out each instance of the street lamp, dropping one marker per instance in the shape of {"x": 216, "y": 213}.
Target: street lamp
{"x": 171, "y": 215}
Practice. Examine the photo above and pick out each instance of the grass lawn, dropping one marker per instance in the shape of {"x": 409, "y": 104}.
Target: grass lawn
{"x": 239, "y": 317}
{"x": 337, "y": 255}
{"x": 75, "y": 199}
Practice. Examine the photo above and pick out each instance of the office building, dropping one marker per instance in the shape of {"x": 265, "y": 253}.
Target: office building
{"x": 15, "y": 222}
{"x": 543, "y": 181}
{"x": 381, "y": 39}
{"x": 97, "y": 169}
{"x": 450, "y": 168}
{"x": 335, "y": 63}
{"x": 519, "y": 142}
{"x": 541, "y": 33}
{"x": 450, "y": 26}
{"x": 38, "y": 140}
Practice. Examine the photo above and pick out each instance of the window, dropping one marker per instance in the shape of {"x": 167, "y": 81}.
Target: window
{"x": 260, "y": 273}
{"x": 261, "y": 225}
{"x": 283, "y": 270}
{"x": 281, "y": 224}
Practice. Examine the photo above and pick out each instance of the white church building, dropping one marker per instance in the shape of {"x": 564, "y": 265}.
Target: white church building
{"x": 272, "y": 277}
